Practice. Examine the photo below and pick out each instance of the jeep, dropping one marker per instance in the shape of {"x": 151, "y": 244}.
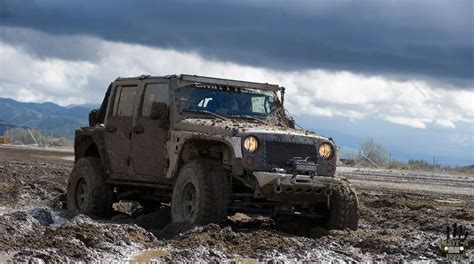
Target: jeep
{"x": 206, "y": 147}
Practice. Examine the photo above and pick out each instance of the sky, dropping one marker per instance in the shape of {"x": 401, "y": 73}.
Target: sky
{"x": 401, "y": 72}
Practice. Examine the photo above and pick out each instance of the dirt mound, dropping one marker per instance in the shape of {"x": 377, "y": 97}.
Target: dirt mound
{"x": 17, "y": 227}
{"x": 217, "y": 243}
{"x": 78, "y": 239}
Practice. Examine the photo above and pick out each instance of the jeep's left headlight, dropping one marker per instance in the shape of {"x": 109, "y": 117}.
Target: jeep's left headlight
{"x": 250, "y": 144}
{"x": 326, "y": 151}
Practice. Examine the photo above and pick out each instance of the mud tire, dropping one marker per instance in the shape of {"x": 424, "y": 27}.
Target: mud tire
{"x": 211, "y": 188}
{"x": 344, "y": 208}
{"x": 87, "y": 190}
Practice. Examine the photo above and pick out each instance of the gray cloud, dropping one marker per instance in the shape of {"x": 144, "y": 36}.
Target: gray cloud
{"x": 414, "y": 103}
{"x": 67, "y": 47}
{"x": 433, "y": 39}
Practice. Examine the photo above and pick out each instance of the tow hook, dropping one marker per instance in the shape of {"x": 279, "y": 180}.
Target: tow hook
{"x": 328, "y": 192}
{"x": 278, "y": 188}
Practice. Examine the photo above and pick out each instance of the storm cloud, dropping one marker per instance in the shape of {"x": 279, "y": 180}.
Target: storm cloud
{"x": 432, "y": 40}
{"x": 26, "y": 76}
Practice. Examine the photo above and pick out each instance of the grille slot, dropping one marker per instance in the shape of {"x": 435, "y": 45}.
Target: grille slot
{"x": 278, "y": 153}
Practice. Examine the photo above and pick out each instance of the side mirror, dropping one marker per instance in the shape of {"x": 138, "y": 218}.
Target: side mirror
{"x": 159, "y": 111}
{"x": 93, "y": 117}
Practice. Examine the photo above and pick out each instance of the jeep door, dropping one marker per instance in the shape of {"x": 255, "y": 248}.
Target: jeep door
{"x": 150, "y": 130}
{"x": 118, "y": 126}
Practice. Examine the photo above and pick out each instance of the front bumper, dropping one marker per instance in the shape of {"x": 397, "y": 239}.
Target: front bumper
{"x": 297, "y": 188}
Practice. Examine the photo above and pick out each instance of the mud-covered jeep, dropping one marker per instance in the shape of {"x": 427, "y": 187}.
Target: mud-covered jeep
{"x": 207, "y": 147}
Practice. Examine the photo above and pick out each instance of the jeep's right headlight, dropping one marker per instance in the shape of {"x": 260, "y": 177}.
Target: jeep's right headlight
{"x": 326, "y": 151}
{"x": 250, "y": 144}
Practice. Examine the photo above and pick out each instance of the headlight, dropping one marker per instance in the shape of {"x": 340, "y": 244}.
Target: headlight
{"x": 250, "y": 144}
{"x": 325, "y": 151}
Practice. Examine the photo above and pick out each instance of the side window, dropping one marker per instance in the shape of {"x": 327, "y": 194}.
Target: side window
{"x": 154, "y": 93}
{"x": 124, "y": 100}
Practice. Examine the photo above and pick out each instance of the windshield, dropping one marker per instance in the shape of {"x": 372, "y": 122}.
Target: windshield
{"x": 228, "y": 102}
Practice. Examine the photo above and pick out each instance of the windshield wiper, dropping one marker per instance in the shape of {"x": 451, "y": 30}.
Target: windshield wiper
{"x": 204, "y": 112}
{"x": 251, "y": 117}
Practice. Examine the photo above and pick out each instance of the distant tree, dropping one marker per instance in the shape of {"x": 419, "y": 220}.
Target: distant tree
{"x": 19, "y": 136}
{"x": 421, "y": 164}
{"x": 22, "y": 136}
{"x": 375, "y": 152}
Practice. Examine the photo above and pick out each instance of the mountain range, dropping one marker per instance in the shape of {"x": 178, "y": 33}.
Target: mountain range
{"x": 51, "y": 118}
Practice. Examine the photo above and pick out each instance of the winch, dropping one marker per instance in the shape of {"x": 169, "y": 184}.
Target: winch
{"x": 304, "y": 166}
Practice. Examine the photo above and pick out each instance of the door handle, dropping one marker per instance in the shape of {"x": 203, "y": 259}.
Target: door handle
{"x": 111, "y": 128}
{"x": 138, "y": 129}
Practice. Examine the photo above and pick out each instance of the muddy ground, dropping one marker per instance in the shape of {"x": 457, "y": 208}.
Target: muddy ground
{"x": 398, "y": 221}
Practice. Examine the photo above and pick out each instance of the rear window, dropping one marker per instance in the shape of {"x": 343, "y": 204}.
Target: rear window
{"x": 124, "y": 100}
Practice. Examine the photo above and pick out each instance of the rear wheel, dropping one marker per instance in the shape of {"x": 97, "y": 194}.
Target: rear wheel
{"x": 201, "y": 193}
{"x": 87, "y": 190}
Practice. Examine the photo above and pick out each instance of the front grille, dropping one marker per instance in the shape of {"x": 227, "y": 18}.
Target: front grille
{"x": 278, "y": 153}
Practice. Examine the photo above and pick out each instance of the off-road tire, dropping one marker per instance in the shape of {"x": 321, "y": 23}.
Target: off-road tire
{"x": 211, "y": 187}
{"x": 344, "y": 208}
{"x": 87, "y": 190}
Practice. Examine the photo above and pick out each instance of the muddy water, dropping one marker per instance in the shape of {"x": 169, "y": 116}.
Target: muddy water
{"x": 148, "y": 255}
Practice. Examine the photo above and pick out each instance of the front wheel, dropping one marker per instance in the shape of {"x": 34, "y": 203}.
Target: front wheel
{"x": 200, "y": 194}
{"x": 344, "y": 208}
{"x": 87, "y": 190}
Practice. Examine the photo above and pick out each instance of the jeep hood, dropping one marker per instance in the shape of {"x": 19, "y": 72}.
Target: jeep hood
{"x": 235, "y": 127}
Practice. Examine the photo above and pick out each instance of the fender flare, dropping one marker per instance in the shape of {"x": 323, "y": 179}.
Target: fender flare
{"x": 175, "y": 150}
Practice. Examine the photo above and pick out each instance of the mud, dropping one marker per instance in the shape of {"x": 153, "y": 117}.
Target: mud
{"x": 394, "y": 225}
{"x": 33, "y": 177}
{"x": 79, "y": 239}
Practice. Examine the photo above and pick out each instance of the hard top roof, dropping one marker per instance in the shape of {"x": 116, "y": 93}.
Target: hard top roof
{"x": 209, "y": 80}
